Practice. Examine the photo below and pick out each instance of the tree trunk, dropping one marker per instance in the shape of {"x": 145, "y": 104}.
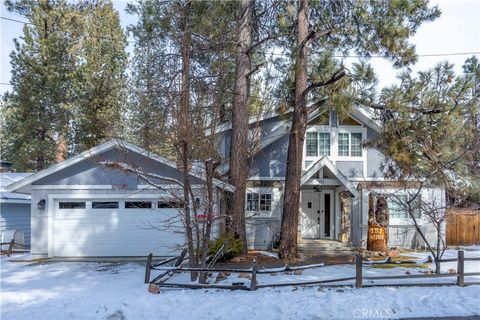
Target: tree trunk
{"x": 291, "y": 200}
{"x": 184, "y": 135}
{"x": 239, "y": 146}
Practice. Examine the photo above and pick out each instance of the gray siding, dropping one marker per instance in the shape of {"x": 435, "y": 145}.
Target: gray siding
{"x": 351, "y": 169}
{"x": 90, "y": 172}
{"x": 271, "y": 161}
{"x": 16, "y": 216}
{"x": 375, "y": 160}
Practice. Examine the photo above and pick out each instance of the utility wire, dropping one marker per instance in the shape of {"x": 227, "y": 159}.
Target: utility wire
{"x": 286, "y": 54}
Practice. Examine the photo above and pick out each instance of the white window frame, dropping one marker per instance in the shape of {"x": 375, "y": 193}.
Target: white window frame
{"x": 334, "y": 131}
{"x": 258, "y": 200}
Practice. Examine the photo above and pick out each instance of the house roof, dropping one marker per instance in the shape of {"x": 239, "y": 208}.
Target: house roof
{"x": 325, "y": 162}
{"x": 114, "y": 143}
{"x": 7, "y": 178}
{"x": 361, "y": 112}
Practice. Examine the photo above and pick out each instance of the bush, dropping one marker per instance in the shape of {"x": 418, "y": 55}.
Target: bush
{"x": 233, "y": 247}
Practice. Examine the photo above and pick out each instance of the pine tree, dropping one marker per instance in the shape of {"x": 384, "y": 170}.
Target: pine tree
{"x": 100, "y": 79}
{"x": 42, "y": 71}
{"x": 68, "y": 77}
{"x": 430, "y": 129}
{"x": 321, "y": 27}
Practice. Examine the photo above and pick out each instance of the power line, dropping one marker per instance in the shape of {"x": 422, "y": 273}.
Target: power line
{"x": 6, "y": 84}
{"x": 15, "y": 20}
{"x": 287, "y": 55}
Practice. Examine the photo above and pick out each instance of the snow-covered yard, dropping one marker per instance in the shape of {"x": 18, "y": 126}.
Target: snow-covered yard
{"x": 88, "y": 290}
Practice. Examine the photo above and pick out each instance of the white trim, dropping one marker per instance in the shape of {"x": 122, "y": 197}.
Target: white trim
{"x": 324, "y": 161}
{"x": 257, "y": 178}
{"x": 323, "y": 182}
{"x": 72, "y": 187}
{"x": 18, "y": 201}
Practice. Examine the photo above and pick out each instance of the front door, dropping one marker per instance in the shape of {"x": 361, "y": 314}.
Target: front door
{"x": 326, "y": 214}
{"x": 317, "y": 215}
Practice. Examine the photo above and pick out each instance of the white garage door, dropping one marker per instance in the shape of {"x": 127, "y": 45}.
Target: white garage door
{"x": 116, "y": 228}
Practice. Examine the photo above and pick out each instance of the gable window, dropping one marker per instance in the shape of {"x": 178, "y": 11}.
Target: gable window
{"x": 259, "y": 201}
{"x": 343, "y": 144}
{"x": 324, "y": 143}
{"x": 105, "y": 205}
{"x": 138, "y": 205}
{"x": 72, "y": 205}
{"x": 312, "y": 144}
{"x": 356, "y": 141}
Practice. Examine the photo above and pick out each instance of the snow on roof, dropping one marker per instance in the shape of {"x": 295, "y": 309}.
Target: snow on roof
{"x": 7, "y": 178}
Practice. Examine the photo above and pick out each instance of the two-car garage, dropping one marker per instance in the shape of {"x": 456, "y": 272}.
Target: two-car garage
{"x": 114, "y": 227}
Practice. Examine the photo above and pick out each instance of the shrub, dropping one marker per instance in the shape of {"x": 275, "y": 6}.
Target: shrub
{"x": 233, "y": 247}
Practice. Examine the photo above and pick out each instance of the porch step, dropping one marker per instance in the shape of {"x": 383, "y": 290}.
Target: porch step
{"x": 327, "y": 246}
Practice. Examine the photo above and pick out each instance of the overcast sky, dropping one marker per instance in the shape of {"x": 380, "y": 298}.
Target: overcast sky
{"x": 456, "y": 31}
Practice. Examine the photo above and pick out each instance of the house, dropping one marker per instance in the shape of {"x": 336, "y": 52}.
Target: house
{"x": 339, "y": 173}
{"x": 98, "y": 204}
{"x": 103, "y": 202}
{"x": 14, "y": 207}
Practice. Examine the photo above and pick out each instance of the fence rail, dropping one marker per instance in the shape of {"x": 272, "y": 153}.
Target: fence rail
{"x": 160, "y": 280}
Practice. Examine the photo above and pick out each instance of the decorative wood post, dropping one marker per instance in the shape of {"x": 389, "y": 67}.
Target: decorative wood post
{"x": 253, "y": 282}
{"x": 148, "y": 268}
{"x": 378, "y": 221}
{"x": 358, "y": 270}
{"x": 460, "y": 268}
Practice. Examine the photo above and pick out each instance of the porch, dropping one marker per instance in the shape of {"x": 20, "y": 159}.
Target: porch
{"x": 326, "y": 209}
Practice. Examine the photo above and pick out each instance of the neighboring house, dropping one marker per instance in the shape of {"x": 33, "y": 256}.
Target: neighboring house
{"x": 338, "y": 175}
{"x": 14, "y": 207}
{"x": 93, "y": 205}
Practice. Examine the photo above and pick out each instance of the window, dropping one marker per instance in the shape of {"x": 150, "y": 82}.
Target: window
{"x": 259, "y": 201}
{"x": 265, "y": 201}
{"x": 72, "y": 205}
{"x": 252, "y": 201}
{"x": 356, "y": 140}
{"x": 397, "y": 207}
{"x": 324, "y": 143}
{"x": 312, "y": 144}
{"x": 104, "y": 205}
{"x": 343, "y": 144}
{"x": 168, "y": 204}
{"x": 138, "y": 205}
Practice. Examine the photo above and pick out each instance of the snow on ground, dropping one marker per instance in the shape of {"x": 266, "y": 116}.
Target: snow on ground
{"x": 89, "y": 290}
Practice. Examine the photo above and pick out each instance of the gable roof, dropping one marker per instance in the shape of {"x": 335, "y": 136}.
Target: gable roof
{"x": 114, "y": 143}
{"x": 325, "y": 162}
{"x": 7, "y": 178}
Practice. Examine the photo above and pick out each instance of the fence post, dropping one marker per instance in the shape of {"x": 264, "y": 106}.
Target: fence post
{"x": 460, "y": 268}
{"x": 254, "y": 276}
{"x": 358, "y": 270}
{"x": 148, "y": 268}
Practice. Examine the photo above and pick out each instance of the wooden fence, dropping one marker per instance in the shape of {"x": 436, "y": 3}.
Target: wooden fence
{"x": 463, "y": 227}
{"x": 161, "y": 280}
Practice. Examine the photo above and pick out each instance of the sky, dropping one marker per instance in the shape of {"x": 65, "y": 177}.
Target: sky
{"x": 456, "y": 31}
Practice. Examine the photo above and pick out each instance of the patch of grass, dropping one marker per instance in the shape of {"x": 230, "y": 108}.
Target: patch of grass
{"x": 402, "y": 265}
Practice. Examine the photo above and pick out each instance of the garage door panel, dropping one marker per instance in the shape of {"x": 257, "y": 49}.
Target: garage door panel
{"x": 118, "y": 232}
